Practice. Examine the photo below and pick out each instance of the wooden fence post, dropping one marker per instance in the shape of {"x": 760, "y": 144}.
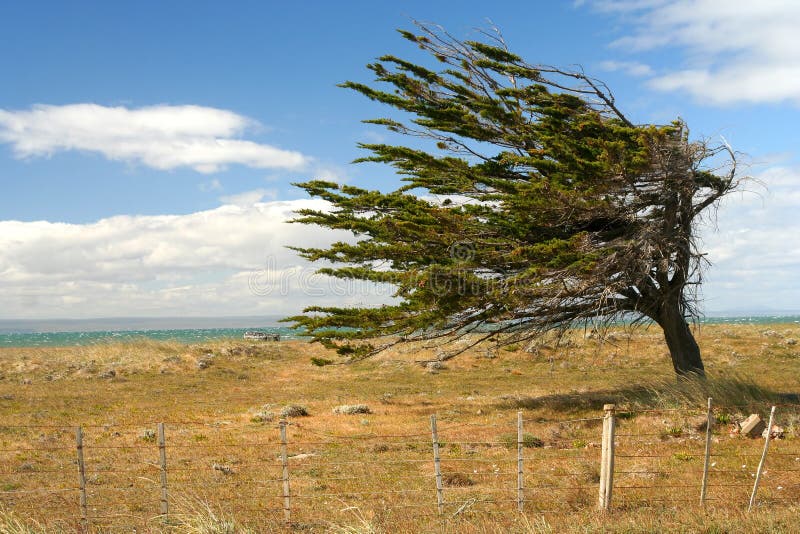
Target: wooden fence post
{"x": 437, "y": 466}
{"x": 287, "y": 510}
{"x": 607, "y": 458}
{"x": 612, "y": 433}
{"x": 763, "y": 460}
{"x": 82, "y": 481}
{"x": 707, "y": 463}
{"x": 162, "y": 453}
{"x": 520, "y": 465}
{"x": 601, "y": 502}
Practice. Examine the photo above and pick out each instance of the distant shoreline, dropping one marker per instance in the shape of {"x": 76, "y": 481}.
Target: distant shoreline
{"x": 67, "y": 338}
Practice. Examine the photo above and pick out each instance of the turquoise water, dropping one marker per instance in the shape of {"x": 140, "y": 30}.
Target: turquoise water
{"x": 199, "y": 335}
{"x": 754, "y": 319}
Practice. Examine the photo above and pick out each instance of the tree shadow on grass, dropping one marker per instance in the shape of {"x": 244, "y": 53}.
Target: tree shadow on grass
{"x": 727, "y": 391}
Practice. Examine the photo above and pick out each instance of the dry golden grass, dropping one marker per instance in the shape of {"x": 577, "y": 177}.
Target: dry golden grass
{"x": 372, "y": 472}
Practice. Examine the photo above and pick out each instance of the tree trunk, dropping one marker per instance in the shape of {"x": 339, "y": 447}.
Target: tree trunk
{"x": 683, "y": 348}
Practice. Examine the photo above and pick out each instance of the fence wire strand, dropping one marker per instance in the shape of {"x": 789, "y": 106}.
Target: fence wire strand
{"x": 474, "y": 473}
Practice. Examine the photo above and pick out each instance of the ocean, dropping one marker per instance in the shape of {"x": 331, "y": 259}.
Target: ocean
{"x": 49, "y": 335}
{"x": 182, "y": 335}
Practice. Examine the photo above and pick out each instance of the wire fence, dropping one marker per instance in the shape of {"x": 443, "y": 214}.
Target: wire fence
{"x": 294, "y": 472}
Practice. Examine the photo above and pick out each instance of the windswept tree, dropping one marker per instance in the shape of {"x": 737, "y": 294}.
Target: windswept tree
{"x": 537, "y": 206}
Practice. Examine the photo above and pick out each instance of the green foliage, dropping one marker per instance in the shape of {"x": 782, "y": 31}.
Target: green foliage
{"x": 320, "y": 362}
{"x": 552, "y": 213}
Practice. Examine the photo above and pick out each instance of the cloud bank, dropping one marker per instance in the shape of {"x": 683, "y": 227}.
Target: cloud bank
{"x": 756, "y": 261}
{"x": 735, "y": 51}
{"x": 162, "y": 137}
{"x": 231, "y": 260}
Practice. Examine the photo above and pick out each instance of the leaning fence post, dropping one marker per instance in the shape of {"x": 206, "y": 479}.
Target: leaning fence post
{"x": 709, "y": 424}
{"x": 607, "y": 458}
{"x": 437, "y": 466}
{"x": 520, "y": 465}
{"x": 162, "y": 453}
{"x": 287, "y": 510}
{"x": 82, "y": 480}
{"x": 763, "y": 460}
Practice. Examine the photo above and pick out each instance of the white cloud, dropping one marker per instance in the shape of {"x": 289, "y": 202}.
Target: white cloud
{"x": 231, "y": 260}
{"x": 212, "y": 185}
{"x": 249, "y": 198}
{"x": 330, "y": 173}
{"x": 756, "y": 251}
{"x": 162, "y": 137}
{"x": 736, "y": 51}
{"x": 631, "y": 68}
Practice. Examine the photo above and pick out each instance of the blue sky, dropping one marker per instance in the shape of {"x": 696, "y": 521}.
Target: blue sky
{"x": 147, "y": 149}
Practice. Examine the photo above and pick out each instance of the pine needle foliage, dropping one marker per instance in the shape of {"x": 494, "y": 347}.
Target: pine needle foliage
{"x": 538, "y": 206}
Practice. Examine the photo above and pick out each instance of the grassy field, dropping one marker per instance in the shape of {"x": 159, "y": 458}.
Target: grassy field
{"x": 372, "y": 472}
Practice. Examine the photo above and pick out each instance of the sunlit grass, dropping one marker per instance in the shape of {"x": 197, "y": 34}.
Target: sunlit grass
{"x": 239, "y": 395}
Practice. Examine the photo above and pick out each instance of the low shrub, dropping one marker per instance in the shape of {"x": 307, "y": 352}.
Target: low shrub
{"x": 528, "y": 441}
